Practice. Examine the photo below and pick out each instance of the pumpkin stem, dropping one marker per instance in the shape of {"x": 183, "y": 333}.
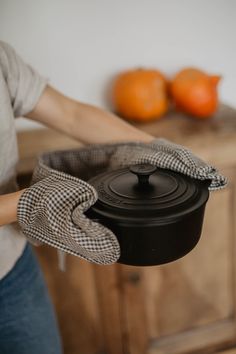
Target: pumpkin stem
{"x": 215, "y": 79}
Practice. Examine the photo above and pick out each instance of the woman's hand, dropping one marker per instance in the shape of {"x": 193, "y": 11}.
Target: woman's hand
{"x": 52, "y": 211}
{"x": 8, "y": 207}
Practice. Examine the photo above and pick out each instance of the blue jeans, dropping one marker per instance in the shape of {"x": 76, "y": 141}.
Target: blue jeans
{"x": 27, "y": 320}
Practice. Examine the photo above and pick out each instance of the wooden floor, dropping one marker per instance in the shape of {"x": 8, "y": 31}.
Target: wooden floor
{"x": 230, "y": 351}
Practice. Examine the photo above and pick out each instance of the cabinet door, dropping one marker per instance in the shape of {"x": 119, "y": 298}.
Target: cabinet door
{"x": 188, "y": 305}
{"x": 86, "y": 300}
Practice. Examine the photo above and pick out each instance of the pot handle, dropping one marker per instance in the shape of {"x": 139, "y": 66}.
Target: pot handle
{"x": 143, "y": 172}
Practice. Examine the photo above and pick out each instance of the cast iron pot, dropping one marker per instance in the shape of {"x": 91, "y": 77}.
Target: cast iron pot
{"x": 156, "y": 214}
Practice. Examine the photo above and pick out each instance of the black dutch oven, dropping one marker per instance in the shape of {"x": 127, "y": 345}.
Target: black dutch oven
{"x": 156, "y": 214}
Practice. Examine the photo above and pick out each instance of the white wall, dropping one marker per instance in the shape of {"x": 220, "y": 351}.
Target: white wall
{"x": 81, "y": 44}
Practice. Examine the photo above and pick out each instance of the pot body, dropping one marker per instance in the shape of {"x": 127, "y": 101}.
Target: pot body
{"x": 156, "y": 214}
{"x": 148, "y": 244}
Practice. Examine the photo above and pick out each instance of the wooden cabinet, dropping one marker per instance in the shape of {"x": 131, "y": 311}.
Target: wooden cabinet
{"x": 187, "y": 306}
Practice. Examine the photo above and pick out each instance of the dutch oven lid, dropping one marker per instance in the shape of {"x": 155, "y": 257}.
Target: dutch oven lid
{"x": 146, "y": 191}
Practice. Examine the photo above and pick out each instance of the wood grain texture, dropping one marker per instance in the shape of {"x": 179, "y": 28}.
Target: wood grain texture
{"x": 108, "y": 289}
{"x": 134, "y": 320}
{"x": 195, "y": 341}
{"x": 76, "y": 301}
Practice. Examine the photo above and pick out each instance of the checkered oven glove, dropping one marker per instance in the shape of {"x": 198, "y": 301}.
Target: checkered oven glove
{"x": 52, "y": 210}
{"x": 178, "y": 158}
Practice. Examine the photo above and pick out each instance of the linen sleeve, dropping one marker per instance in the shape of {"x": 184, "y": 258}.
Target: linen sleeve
{"x": 24, "y": 83}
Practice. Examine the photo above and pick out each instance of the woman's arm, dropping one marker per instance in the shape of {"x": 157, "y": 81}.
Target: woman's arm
{"x": 8, "y": 207}
{"x": 84, "y": 122}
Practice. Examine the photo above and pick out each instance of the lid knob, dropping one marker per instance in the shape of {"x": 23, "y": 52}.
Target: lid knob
{"x": 143, "y": 172}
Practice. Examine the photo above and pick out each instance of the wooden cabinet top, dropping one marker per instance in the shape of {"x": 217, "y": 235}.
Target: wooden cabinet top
{"x": 214, "y": 139}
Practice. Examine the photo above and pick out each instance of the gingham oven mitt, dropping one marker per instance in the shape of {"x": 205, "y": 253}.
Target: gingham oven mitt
{"x": 51, "y": 210}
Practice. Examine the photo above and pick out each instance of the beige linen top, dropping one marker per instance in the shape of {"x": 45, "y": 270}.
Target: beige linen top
{"x": 20, "y": 89}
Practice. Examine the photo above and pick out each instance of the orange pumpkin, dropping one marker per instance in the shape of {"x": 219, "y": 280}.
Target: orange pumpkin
{"x": 140, "y": 94}
{"x": 195, "y": 92}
